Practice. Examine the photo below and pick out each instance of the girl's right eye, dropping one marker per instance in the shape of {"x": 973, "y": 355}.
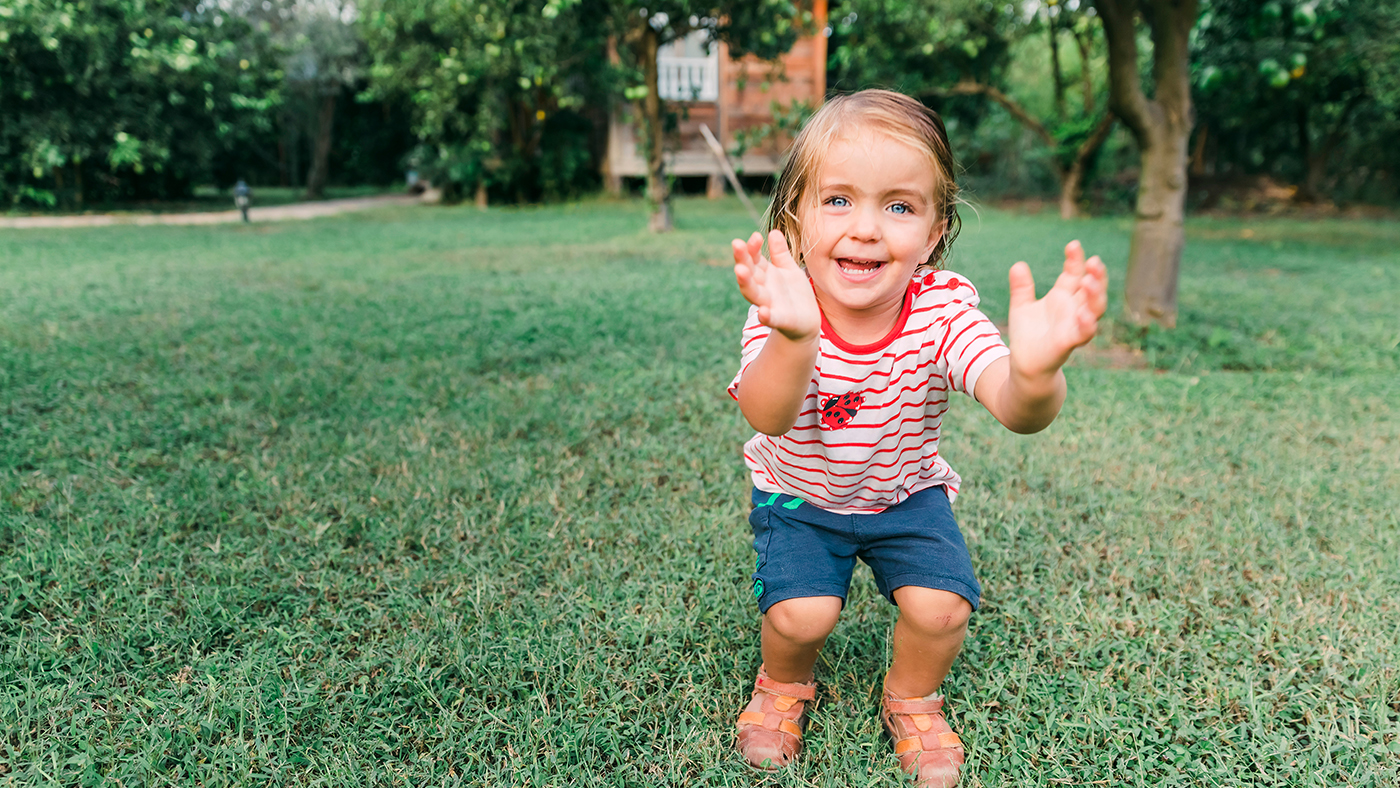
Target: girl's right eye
{"x": 839, "y": 202}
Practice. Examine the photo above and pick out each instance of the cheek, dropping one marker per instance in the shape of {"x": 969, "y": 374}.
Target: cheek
{"x": 823, "y": 232}
{"x": 916, "y": 239}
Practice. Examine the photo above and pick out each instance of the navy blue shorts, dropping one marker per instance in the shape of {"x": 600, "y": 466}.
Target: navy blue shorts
{"x": 804, "y": 550}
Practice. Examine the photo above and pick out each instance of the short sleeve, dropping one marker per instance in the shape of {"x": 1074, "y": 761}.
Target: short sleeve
{"x": 971, "y": 341}
{"x": 755, "y": 334}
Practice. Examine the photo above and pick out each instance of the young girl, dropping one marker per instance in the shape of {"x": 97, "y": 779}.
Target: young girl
{"x": 852, "y": 345}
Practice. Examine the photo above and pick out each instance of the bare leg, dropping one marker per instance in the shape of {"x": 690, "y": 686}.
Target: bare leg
{"x": 927, "y": 638}
{"x": 793, "y": 632}
{"x": 770, "y": 726}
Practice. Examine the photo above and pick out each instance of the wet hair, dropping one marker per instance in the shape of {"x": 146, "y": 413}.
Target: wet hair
{"x": 894, "y": 115}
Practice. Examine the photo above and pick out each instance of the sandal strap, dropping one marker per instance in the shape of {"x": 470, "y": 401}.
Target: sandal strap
{"x": 914, "y": 705}
{"x": 785, "y": 690}
{"x": 948, "y": 740}
{"x": 759, "y": 718}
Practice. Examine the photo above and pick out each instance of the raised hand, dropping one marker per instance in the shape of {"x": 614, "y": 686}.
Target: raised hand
{"x": 1044, "y": 332}
{"x": 779, "y": 288}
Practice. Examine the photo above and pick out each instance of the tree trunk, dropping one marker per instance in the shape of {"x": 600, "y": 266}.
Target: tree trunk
{"x": 1316, "y": 158}
{"x": 481, "y": 200}
{"x": 320, "y": 162}
{"x": 1055, "y": 68}
{"x": 1162, "y": 128}
{"x": 1198, "y": 156}
{"x": 1072, "y": 180}
{"x": 1154, "y": 259}
{"x": 1071, "y": 184}
{"x": 658, "y": 195}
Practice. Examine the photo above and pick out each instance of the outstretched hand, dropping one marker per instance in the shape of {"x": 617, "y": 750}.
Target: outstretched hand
{"x": 779, "y": 288}
{"x": 1044, "y": 332}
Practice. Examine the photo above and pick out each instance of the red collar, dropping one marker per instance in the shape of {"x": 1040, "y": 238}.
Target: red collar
{"x": 879, "y": 344}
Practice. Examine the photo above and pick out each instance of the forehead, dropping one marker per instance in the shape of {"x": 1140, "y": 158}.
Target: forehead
{"x": 877, "y": 162}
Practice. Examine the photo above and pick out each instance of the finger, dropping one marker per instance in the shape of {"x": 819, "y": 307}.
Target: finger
{"x": 741, "y": 252}
{"x": 752, "y": 291}
{"x": 1088, "y": 326}
{"x": 1096, "y": 282}
{"x": 782, "y": 254}
{"x": 1074, "y": 259}
{"x": 756, "y": 245}
{"x": 1068, "y": 279}
{"x": 1022, "y": 285}
{"x": 748, "y": 275}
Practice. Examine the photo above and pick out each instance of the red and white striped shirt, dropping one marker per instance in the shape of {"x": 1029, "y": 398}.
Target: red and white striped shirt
{"x": 867, "y": 435}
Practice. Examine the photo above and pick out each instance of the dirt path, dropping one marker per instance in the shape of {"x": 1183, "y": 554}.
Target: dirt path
{"x": 277, "y": 213}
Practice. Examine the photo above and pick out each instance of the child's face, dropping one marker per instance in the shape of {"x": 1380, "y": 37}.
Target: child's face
{"x": 875, "y": 222}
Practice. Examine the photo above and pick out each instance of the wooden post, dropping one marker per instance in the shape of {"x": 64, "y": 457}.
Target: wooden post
{"x": 819, "y": 52}
{"x": 728, "y": 171}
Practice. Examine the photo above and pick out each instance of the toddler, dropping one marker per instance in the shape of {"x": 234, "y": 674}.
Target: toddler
{"x": 855, "y": 339}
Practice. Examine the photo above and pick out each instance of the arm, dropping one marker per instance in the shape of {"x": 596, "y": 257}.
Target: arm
{"x": 1025, "y": 390}
{"x": 774, "y": 386}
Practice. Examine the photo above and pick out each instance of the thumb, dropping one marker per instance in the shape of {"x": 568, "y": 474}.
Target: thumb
{"x": 1022, "y": 285}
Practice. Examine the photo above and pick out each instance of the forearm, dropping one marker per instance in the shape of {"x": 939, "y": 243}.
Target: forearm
{"x": 774, "y": 386}
{"x": 1022, "y": 403}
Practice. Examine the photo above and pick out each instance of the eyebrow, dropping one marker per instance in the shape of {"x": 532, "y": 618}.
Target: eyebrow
{"x": 898, "y": 192}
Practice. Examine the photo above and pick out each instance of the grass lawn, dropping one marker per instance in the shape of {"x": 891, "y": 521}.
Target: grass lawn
{"x": 432, "y": 496}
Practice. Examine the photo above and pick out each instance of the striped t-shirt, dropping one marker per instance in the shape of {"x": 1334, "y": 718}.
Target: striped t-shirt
{"x": 867, "y": 435}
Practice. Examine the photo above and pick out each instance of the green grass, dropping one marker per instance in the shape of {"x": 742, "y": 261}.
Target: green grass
{"x": 432, "y": 496}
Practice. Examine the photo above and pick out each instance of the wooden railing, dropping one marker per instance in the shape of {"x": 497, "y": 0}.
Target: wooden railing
{"x": 688, "y": 78}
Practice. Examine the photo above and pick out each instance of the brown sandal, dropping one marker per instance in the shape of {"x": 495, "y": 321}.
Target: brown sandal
{"x": 926, "y": 745}
{"x": 770, "y": 727}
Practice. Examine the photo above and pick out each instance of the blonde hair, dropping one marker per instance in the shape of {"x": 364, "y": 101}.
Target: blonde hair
{"x": 894, "y": 115}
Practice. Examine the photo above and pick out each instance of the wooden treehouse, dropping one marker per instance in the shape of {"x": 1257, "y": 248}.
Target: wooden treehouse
{"x": 734, "y": 97}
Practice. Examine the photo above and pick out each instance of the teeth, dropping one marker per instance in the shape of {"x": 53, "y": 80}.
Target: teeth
{"x": 863, "y": 265}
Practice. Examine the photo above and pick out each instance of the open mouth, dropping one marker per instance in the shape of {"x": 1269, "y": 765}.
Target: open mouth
{"x": 857, "y": 267}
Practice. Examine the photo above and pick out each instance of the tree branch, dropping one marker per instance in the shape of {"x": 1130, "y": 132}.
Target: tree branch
{"x": 1125, "y": 96}
{"x": 1084, "y": 75}
{"x": 1172, "y": 21}
{"x": 1096, "y": 139}
{"x": 970, "y": 88}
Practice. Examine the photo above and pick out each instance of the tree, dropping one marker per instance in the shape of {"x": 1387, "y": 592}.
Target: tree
{"x": 498, "y": 90}
{"x": 322, "y": 55}
{"x": 1162, "y": 127}
{"x": 766, "y": 28}
{"x": 963, "y": 48}
{"x": 1282, "y": 88}
{"x": 121, "y": 99}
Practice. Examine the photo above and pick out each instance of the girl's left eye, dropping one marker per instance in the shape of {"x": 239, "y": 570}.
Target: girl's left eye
{"x": 902, "y": 208}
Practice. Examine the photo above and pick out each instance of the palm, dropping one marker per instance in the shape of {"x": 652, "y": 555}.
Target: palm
{"x": 779, "y": 288}
{"x": 1045, "y": 331}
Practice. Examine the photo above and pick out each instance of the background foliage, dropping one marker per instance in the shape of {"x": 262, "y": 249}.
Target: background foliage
{"x": 1308, "y": 92}
{"x": 104, "y": 100}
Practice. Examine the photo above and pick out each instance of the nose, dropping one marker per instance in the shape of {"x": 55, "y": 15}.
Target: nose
{"x": 865, "y": 224}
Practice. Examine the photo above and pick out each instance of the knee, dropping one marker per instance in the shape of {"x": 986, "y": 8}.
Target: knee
{"x": 932, "y": 612}
{"x": 805, "y": 620}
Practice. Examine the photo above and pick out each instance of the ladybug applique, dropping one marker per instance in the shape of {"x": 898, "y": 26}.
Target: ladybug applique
{"x": 838, "y": 411}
